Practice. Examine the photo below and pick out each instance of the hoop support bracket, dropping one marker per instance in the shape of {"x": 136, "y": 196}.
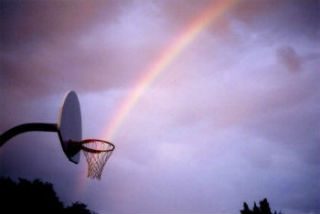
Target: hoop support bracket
{"x": 27, "y": 127}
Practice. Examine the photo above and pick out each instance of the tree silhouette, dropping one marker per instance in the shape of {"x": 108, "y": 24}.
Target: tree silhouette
{"x": 246, "y": 209}
{"x": 77, "y": 208}
{"x": 256, "y": 210}
{"x": 34, "y": 197}
{"x": 264, "y": 208}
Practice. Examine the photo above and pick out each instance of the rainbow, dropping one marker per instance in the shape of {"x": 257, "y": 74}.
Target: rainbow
{"x": 212, "y": 12}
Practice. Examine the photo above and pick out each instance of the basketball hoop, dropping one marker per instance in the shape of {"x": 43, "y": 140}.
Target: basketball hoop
{"x": 97, "y": 152}
{"x": 69, "y": 129}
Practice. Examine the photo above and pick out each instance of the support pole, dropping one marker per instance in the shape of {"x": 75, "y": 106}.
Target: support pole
{"x": 27, "y": 127}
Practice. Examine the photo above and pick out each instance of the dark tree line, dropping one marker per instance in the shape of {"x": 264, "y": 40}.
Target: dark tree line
{"x": 34, "y": 197}
{"x": 39, "y": 197}
{"x": 263, "y": 208}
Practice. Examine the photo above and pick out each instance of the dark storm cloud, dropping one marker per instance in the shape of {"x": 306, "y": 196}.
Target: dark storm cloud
{"x": 27, "y": 23}
{"x": 290, "y": 59}
{"x": 42, "y": 52}
{"x": 51, "y": 47}
{"x": 287, "y": 18}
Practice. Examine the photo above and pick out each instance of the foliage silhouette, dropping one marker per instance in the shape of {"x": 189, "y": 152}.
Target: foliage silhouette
{"x": 34, "y": 197}
{"x": 264, "y": 208}
{"x": 77, "y": 208}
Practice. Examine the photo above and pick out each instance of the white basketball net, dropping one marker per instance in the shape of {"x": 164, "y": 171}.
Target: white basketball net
{"x": 97, "y": 153}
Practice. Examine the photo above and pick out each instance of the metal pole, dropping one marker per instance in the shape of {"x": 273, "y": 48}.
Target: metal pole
{"x": 27, "y": 127}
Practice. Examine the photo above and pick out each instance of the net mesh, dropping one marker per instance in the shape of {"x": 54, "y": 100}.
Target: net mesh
{"x": 97, "y": 153}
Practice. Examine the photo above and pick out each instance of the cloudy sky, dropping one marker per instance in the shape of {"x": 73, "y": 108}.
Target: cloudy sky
{"x": 234, "y": 116}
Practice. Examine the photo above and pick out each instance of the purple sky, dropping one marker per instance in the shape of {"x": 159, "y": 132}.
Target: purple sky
{"x": 236, "y": 117}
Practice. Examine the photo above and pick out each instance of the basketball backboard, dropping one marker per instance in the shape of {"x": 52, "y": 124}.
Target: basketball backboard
{"x": 70, "y": 127}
